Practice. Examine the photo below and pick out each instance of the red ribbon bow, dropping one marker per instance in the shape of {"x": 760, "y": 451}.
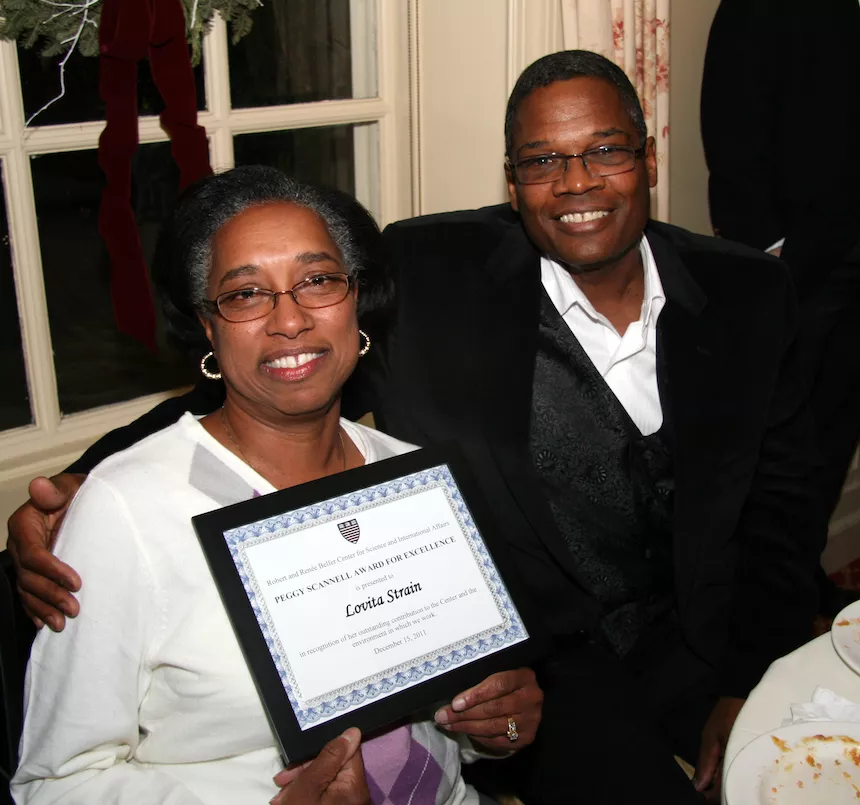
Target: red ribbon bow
{"x": 131, "y": 30}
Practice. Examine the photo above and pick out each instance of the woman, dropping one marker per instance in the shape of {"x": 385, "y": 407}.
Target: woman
{"x": 145, "y": 696}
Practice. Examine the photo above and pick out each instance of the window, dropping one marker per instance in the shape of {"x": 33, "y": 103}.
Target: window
{"x": 318, "y": 88}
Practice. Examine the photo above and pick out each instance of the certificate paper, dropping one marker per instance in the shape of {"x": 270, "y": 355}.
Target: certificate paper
{"x": 362, "y": 596}
{"x": 414, "y": 595}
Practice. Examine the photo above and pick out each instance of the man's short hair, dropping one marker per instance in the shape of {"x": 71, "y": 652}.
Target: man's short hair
{"x": 563, "y": 66}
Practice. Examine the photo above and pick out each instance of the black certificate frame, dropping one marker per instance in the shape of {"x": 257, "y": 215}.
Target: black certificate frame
{"x": 299, "y": 744}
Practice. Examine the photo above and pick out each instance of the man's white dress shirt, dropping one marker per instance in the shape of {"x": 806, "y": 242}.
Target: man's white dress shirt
{"x": 628, "y": 363}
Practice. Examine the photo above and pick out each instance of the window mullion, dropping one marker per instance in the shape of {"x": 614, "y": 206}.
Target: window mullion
{"x": 85, "y": 136}
{"x": 26, "y": 256}
{"x": 307, "y": 115}
{"x": 217, "y": 77}
{"x": 363, "y": 51}
{"x": 397, "y": 62}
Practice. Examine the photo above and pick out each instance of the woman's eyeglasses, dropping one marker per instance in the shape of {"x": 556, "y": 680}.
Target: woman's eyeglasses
{"x": 247, "y": 304}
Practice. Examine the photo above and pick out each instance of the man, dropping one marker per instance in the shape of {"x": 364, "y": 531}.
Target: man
{"x": 636, "y": 395}
{"x": 773, "y": 68}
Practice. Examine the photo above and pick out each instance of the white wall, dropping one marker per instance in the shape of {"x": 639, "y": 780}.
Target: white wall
{"x": 688, "y": 182}
{"x": 470, "y": 52}
{"x": 463, "y": 90}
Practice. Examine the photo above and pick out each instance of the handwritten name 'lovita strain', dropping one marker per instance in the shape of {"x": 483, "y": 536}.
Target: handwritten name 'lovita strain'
{"x": 378, "y": 601}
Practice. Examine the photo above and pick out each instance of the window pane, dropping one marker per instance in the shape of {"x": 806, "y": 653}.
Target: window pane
{"x": 305, "y": 50}
{"x": 95, "y": 363}
{"x": 40, "y": 81}
{"x": 14, "y": 396}
{"x": 322, "y": 156}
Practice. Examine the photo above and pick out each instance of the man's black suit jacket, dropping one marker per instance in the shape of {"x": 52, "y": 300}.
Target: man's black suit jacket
{"x": 459, "y": 364}
{"x": 456, "y": 361}
{"x": 779, "y": 96}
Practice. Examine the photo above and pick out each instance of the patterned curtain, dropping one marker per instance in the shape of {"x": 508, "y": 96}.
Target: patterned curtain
{"x": 635, "y": 35}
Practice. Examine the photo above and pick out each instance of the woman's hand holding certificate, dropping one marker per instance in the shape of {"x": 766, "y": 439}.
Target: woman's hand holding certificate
{"x": 484, "y": 712}
{"x": 334, "y": 777}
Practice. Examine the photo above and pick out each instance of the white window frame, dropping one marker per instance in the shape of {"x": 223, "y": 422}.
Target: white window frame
{"x": 54, "y": 439}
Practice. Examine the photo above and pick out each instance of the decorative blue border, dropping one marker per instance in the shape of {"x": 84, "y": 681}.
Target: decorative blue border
{"x": 313, "y": 711}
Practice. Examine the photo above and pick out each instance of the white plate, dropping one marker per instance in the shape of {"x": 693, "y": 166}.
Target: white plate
{"x": 802, "y": 764}
{"x": 845, "y": 635}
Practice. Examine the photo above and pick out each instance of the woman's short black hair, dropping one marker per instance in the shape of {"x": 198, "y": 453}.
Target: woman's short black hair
{"x": 183, "y": 258}
{"x": 563, "y": 66}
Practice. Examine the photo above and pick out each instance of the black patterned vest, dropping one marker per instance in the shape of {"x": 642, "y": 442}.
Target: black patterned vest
{"x": 609, "y": 488}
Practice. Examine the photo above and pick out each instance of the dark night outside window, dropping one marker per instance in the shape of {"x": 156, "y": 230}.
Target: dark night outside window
{"x": 96, "y": 364}
{"x": 322, "y": 156}
{"x": 298, "y": 51}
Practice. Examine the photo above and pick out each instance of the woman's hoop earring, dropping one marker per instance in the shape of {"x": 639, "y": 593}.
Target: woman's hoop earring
{"x": 366, "y": 348}
{"x": 216, "y": 375}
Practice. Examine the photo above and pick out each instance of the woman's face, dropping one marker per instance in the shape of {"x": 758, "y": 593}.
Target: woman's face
{"x": 294, "y": 360}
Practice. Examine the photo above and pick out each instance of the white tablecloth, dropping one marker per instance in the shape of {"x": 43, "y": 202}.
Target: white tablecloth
{"x": 790, "y": 680}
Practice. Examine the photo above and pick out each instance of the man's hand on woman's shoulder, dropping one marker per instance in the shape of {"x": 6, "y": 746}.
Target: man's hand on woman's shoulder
{"x": 45, "y": 584}
{"x": 334, "y": 777}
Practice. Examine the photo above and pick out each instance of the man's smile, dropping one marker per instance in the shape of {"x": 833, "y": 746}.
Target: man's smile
{"x": 582, "y": 217}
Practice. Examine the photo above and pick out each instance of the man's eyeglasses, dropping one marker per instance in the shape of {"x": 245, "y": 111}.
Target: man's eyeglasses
{"x": 247, "y": 304}
{"x": 608, "y": 160}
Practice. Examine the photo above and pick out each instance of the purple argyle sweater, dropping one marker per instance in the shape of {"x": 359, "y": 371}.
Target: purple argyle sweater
{"x": 416, "y": 764}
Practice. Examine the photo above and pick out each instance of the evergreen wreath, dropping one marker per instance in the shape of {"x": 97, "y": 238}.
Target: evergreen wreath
{"x": 67, "y": 25}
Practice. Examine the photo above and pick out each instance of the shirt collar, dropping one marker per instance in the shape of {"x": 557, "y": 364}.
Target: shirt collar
{"x": 565, "y": 293}
{"x": 654, "y": 298}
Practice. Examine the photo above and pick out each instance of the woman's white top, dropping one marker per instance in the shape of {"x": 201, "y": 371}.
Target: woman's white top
{"x": 145, "y": 696}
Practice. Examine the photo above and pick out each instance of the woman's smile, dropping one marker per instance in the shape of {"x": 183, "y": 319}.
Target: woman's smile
{"x": 293, "y": 365}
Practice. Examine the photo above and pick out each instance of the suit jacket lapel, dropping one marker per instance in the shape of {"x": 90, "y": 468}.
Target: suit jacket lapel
{"x": 686, "y": 344}
{"x": 514, "y": 291}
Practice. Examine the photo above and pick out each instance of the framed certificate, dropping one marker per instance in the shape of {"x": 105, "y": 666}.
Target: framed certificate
{"x": 362, "y": 597}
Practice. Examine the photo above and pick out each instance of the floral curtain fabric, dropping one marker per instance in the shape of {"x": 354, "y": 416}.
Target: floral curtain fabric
{"x": 635, "y": 35}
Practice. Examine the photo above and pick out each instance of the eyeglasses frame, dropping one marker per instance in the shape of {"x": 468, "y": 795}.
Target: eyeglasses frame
{"x": 638, "y": 153}
{"x": 213, "y": 305}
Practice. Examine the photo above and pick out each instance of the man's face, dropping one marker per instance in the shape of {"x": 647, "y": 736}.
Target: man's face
{"x": 569, "y": 117}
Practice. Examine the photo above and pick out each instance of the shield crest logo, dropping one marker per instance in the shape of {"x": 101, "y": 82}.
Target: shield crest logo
{"x": 349, "y": 530}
